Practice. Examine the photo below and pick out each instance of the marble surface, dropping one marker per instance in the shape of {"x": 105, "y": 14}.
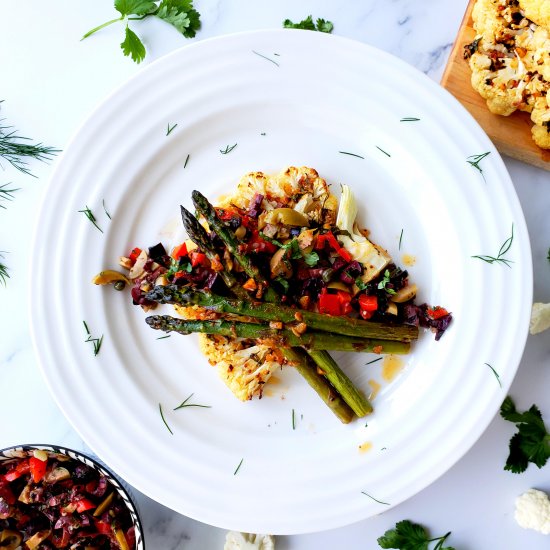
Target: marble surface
{"x": 50, "y": 82}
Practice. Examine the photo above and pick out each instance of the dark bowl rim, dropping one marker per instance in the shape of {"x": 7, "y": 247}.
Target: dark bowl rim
{"x": 118, "y": 485}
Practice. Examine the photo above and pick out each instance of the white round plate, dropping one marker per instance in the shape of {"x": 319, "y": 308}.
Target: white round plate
{"x": 282, "y": 98}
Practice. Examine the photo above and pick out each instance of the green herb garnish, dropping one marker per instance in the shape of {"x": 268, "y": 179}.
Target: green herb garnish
{"x": 360, "y": 284}
{"x": 90, "y": 215}
{"x": 179, "y": 13}
{"x": 410, "y": 536}
{"x": 164, "y": 419}
{"x": 105, "y": 209}
{"x": 185, "y": 404}
{"x": 3, "y": 271}
{"x": 169, "y": 128}
{"x": 164, "y": 337}
{"x": 400, "y": 239}
{"x": 382, "y": 285}
{"x": 228, "y": 149}
{"x": 374, "y": 361}
{"x": 238, "y": 467}
{"x": 293, "y": 420}
{"x": 186, "y": 161}
{"x": 495, "y": 373}
{"x": 176, "y": 267}
{"x": 385, "y": 153}
{"x": 283, "y": 282}
{"x": 532, "y": 441}
{"x": 375, "y": 499}
{"x": 409, "y": 119}
{"x": 475, "y": 160}
{"x": 500, "y": 256}
{"x": 96, "y": 342}
{"x": 351, "y": 154}
{"x": 6, "y": 194}
{"x": 311, "y": 258}
{"x": 265, "y": 57}
{"x": 308, "y": 24}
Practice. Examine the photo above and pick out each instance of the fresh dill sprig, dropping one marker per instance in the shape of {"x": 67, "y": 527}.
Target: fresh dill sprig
{"x": 170, "y": 129}
{"x": 409, "y": 119}
{"x": 400, "y": 239}
{"x": 164, "y": 419}
{"x": 238, "y": 467}
{"x": 186, "y": 404}
{"x": 105, "y": 209}
{"x": 351, "y": 154}
{"x": 475, "y": 160}
{"x": 265, "y": 57}
{"x": 17, "y": 149}
{"x": 293, "y": 420}
{"x": 500, "y": 256}
{"x": 375, "y": 499}
{"x": 385, "y": 152}
{"x": 495, "y": 373}
{"x": 374, "y": 361}
{"x": 90, "y": 215}
{"x": 164, "y": 337}
{"x": 228, "y": 149}
{"x": 6, "y": 194}
{"x": 3, "y": 271}
{"x": 96, "y": 342}
{"x": 186, "y": 161}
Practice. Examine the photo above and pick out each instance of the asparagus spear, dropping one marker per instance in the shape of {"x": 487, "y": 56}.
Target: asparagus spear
{"x": 172, "y": 294}
{"x": 305, "y": 366}
{"x": 227, "y": 236}
{"x": 198, "y": 235}
{"x": 309, "y": 340}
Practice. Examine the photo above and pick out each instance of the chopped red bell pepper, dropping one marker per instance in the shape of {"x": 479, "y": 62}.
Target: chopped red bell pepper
{"x": 437, "y": 312}
{"x": 329, "y": 303}
{"x": 84, "y": 504}
{"x": 345, "y": 302}
{"x": 103, "y": 527}
{"x": 37, "y": 468}
{"x": 134, "y": 255}
{"x": 226, "y": 214}
{"x": 22, "y": 468}
{"x": 198, "y": 258}
{"x": 179, "y": 251}
{"x": 6, "y": 493}
{"x": 334, "y": 244}
{"x": 257, "y": 244}
{"x": 367, "y": 305}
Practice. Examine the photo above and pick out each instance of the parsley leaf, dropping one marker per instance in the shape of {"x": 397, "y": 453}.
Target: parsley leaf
{"x": 134, "y": 7}
{"x": 133, "y": 46}
{"x": 410, "y": 536}
{"x": 360, "y": 284}
{"x": 178, "y": 265}
{"x": 308, "y": 25}
{"x": 532, "y": 441}
{"x": 311, "y": 259}
{"x": 180, "y": 14}
{"x": 382, "y": 285}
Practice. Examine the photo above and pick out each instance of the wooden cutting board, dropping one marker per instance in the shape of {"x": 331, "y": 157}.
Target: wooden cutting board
{"x": 511, "y": 135}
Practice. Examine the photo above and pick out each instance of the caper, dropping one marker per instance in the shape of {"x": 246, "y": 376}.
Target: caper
{"x": 119, "y": 285}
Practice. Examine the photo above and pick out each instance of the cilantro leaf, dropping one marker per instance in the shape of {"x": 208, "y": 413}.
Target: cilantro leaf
{"x": 531, "y": 443}
{"x": 180, "y": 14}
{"x": 382, "y": 285}
{"x": 411, "y": 536}
{"x": 133, "y": 46}
{"x": 360, "y": 284}
{"x": 308, "y": 25}
{"x": 134, "y": 7}
{"x": 311, "y": 259}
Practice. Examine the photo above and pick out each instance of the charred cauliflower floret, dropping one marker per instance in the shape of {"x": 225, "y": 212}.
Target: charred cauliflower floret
{"x": 510, "y": 59}
{"x": 243, "y": 365}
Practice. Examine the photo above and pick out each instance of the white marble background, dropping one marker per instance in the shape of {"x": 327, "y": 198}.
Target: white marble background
{"x": 50, "y": 81}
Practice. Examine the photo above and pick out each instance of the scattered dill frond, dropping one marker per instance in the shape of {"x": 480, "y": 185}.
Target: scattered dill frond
{"x": 228, "y": 149}
{"x": 265, "y": 57}
{"x": 6, "y": 193}
{"x": 500, "y": 256}
{"x": 90, "y": 215}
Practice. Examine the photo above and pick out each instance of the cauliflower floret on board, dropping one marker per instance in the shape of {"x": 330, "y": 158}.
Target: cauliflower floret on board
{"x": 533, "y": 511}
{"x": 248, "y": 541}
{"x": 537, "y": 10}
{"x": 243, "y": 365}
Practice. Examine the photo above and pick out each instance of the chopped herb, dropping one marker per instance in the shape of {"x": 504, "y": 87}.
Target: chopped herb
{"x": 376, "y": 500}
{"x": 179, "y": 13}
{"x": 265, "y": 57}
{"x": 96, "y": 342}
{"x": 411, "y": 536}
{"x": 385, "y": 153}
{"x": 307, "y": 24}
{"x": 228, "y": 149}
{"x": 238, "y": 467}
{"x": 16, "y": 149}
{"x": 163, "y": 337}
{"x": 6, "y": 194}
{"x": 351, "y": 154}
{"x": 531, "y": 443}
{"x": 311, "y": 258}
{"x": 177, "y": 266}
{"x": 293, "y": 420}
{"x": 105, "y": 210}
{"x": 3, "y": 271}
{"x": 500, "y": 256}
{"x": 169, "y": 129}
{"x": 475, "y": 160}
{"x": 186, "y": 161}
{"x": 382, "y": 285}
{"x": 185, "y": 404}
{"x": 409, "y": 119}
{"x": 374, "y": 361}
{"x": 400, "y": 239}
{"x": 283, "y": 282}
{"x": 360, "y": 284}
{"x": 90, "y": 215}
{"x": 495, "y": 373}
{"x": 164, "y": 419}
